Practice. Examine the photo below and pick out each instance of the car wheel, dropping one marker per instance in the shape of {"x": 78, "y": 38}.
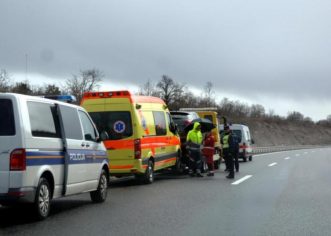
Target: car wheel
{"x": 100, "y": 194}
{"x": 42, "y": 202}
{"x": 149, "y": 174}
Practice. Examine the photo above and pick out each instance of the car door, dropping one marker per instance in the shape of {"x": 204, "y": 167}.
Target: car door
{"x": 75, "y": 170}
{"x": 92, "y": 147}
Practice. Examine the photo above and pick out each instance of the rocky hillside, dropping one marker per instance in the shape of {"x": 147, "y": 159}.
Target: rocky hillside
{"x": 266, "y": 133}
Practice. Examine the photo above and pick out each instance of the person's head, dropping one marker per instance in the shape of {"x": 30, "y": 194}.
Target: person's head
{"x": 227, "y": 129}
{"x": 197, "y": 126}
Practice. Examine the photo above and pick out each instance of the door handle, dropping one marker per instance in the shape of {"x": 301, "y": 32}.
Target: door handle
{"x": 83, "y": 145}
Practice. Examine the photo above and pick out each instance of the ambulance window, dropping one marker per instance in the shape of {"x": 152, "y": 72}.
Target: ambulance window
{"x": 209, "y": 117}
{"x": 7, "y": 122}
{"x": 88, "y": 128}
{"x": 71, "y": 123}
{"x": 43, "y": 120}
{"x": 160, "y": 123}
{"x": 117, "y": 124}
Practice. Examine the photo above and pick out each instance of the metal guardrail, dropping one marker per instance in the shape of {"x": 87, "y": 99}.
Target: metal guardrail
{"x": 260, "y": 150}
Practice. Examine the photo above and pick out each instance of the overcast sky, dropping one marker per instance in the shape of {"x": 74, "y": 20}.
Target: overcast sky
{"x": 271, "y": 52}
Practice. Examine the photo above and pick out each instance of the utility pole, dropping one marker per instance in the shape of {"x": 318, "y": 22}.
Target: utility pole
{"x": 26, "y": 66}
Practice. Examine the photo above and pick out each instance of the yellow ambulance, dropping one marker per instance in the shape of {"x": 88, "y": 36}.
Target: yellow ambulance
{"x": 142, "y": 136}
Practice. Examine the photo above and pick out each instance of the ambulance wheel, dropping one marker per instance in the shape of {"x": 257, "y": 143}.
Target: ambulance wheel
{"x": 250, "y": 158}
{"x": 148, "y": 177}
{"x": 42, "y": 204}
{"x": 100, "y": 194}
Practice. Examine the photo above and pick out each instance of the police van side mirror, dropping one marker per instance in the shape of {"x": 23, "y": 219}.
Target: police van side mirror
{"x": 103, "y": 136}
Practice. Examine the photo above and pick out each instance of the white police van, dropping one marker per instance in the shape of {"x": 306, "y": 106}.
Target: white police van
{"x": 48, "y": 149}
{"x": 246, "y": 141}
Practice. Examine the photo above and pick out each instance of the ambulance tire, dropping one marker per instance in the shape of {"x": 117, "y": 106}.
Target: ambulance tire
{"x": 42, "y": 203}
{"x": 148, "y": 176}
{"x": 100, "y": 195}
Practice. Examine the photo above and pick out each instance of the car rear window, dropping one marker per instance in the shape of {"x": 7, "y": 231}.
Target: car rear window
{"x": 117, "y": 124}
{"x": 7, "y": 122}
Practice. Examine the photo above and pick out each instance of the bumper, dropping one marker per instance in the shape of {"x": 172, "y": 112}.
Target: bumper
{"x": 18, "y": 195}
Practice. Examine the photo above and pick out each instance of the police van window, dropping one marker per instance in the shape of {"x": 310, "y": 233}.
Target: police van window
{"x": 7, "y": 122}
{"x": 43, "y": 120}
{"x": 117, "y": 124}
{"x": 160, "y": 123}
{"x": 71, "y": 122}
{"x": 88, "y": 128}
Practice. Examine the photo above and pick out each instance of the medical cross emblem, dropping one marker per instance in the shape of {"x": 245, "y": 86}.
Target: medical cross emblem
{"x": 119, "y": 126}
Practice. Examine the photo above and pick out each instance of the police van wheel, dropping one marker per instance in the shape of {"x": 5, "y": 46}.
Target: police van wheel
{"x": 250, "y": 158}
{"x": 149, "y": 174}
{"x": 42, "y": 202}
{"x": 100, "y": 194}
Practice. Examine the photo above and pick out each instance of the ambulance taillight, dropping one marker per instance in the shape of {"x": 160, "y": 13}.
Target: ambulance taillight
{"x": 18, "y": 159}
{"x": 137, "y": 148}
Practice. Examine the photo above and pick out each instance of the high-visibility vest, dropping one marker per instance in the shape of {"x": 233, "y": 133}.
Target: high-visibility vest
{"x": 225, "y": 140}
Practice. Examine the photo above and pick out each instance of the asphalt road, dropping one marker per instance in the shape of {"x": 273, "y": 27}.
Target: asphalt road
{"x": 285, "y": 193}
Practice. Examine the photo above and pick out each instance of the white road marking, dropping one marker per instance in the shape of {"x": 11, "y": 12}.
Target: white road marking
{"x": 286, "y": 158}
{"x": 306, "y": 153}
{"x": 272, "y": 164}
{"x": 297, "y": 154}
{"x": 242, "y": 180}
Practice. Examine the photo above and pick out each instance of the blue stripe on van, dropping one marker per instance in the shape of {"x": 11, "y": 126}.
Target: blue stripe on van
{"x": 34, "y": 158}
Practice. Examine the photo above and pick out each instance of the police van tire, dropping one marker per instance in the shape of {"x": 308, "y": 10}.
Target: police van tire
{"x": 100, "y": 195}
{"x": 148, "y": 177}
{"x": 42, "y": 204}
{"x": 250, "y": 158}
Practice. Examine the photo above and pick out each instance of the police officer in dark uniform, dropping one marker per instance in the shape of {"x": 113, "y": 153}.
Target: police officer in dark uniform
{"x": 228, "y": 147}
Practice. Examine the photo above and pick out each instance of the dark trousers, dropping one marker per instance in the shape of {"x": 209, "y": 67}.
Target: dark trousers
{"x": 196, "y": 164}
{"x": 228, "y": 157}
{"x": 236, "y": 161}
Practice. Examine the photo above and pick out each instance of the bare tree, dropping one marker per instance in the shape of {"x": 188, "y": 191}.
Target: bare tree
{"x": 148, "y": 89}
{"x": 169, "y": 90}
{"x": 22, "y": 88}
{"x": 4, "y": 81}
{"x": 257, "y": 111}
{"x": 86, "y": 80}
{"x": 295, "y": 116}
{"x": 209, "y": 95}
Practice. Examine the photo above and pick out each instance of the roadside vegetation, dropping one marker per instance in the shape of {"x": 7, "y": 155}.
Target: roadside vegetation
{"x": 268, "y": 128}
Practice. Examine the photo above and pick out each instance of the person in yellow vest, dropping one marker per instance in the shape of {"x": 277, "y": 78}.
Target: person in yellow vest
{"x": 193, "y": 142}
{"x": 228, "y": 151}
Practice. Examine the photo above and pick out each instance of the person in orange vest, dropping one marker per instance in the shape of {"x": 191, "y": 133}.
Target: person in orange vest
{"x": 208, "y": 151}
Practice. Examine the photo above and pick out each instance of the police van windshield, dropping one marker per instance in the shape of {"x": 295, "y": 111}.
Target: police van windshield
{"x": 117, "y": 124}
{"x": 237, "y": 133}
{"x": 7, "y": 123}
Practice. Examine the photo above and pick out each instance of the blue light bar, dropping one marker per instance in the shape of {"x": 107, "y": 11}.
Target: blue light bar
{"x": 62, "y": 98}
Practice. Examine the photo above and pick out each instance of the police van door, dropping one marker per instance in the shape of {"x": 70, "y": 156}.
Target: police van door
{"x": 94, "y": 149}
{"x": 75, "y": 169}
{"x": 8, "y": 141}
